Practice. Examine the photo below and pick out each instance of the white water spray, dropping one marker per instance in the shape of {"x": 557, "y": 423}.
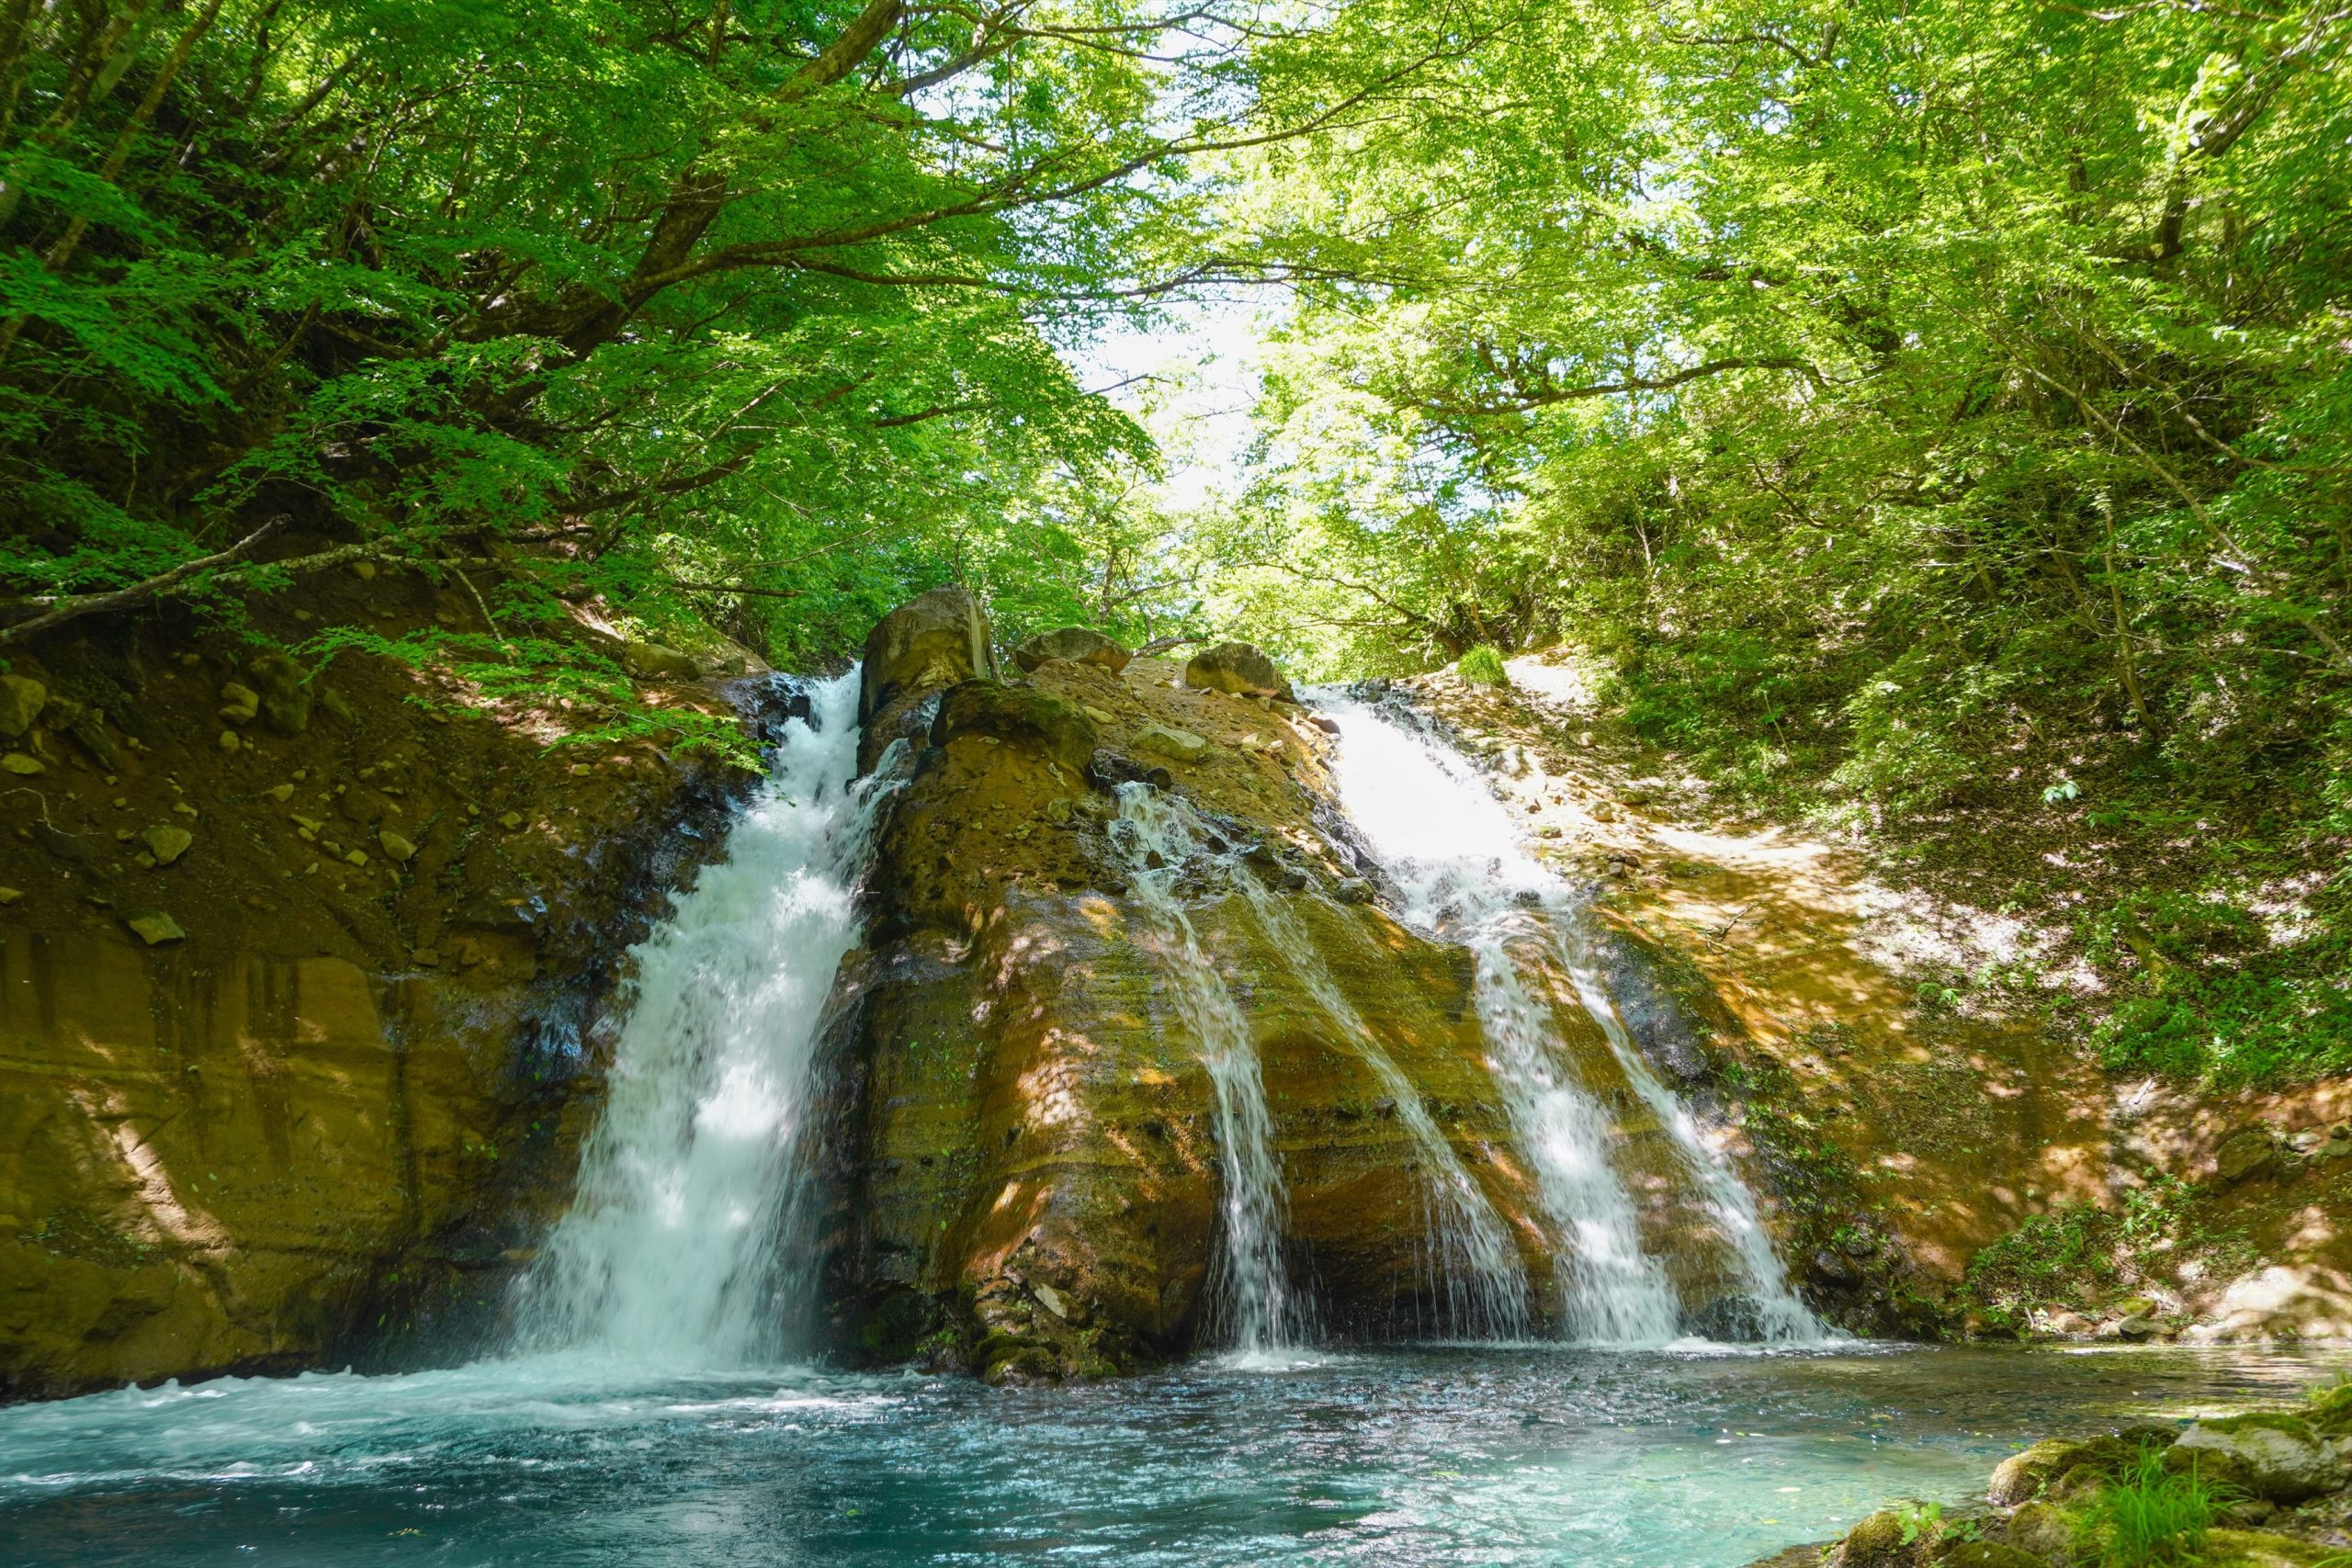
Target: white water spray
{"x": 676, "y": 1249}
{"x": 1464, "y": 875}
{"x": 1251, "y": 1304}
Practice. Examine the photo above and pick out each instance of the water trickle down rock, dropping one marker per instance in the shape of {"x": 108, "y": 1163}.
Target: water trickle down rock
{"x": 1593, "y": 1118}
{"x": 1022, "y": 1099}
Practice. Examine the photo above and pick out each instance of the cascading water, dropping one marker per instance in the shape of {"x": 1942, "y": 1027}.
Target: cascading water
{"x": 1251, "y": 1304}
{"x": 1471, "y": 1263}
{"x": 1464, "y": 875}
{"x": 677, "y": 1245}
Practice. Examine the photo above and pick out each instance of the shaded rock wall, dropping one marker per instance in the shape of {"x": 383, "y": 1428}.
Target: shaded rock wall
{"x": 326, "y": 1123}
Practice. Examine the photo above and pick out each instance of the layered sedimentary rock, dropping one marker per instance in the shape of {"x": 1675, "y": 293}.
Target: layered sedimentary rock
{"x": 296, "y": 1033}
{"x": 1025, "y": 1164}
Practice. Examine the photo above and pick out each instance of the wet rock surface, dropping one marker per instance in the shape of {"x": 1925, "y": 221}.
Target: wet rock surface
{"x": 1026, "y": 1170}
{"x": 296, "y": 1037}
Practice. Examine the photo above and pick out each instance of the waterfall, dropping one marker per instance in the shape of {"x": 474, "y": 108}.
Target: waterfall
{"x": 1251, "y": 1305}
{"x": 678, "y": 1247}
{"x": 1471, "y": 1263}
{"x": 1464, "y": 875}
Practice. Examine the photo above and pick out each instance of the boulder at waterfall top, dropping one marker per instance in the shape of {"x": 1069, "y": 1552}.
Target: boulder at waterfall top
{"x": 1241, "y": 668}
{"x": 920, "y": 648}
{"x": 1077, "y": 645}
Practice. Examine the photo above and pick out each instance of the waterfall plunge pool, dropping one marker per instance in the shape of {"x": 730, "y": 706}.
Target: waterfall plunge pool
{"x": 1456, "y": 1455}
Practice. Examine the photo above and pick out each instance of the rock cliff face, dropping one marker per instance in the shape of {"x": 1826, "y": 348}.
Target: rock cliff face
{"x": 330, "y": 1111}
{"x": 1025, "y": 1164}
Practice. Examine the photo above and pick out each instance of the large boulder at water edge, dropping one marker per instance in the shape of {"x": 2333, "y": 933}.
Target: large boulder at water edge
{"x": 2278, "y": 1458}
{"x": 1241, "y": 668}
{"x": 1025, "y": 1123}
{"x": 933, "y": 640}
{"x": 1075, "y": 643}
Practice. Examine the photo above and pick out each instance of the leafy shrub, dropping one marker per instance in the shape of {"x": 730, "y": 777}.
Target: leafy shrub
{"x": 1483, "y": 664}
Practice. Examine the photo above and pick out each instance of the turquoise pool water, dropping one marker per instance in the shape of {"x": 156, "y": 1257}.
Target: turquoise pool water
{"x": 1693, "y": 1459}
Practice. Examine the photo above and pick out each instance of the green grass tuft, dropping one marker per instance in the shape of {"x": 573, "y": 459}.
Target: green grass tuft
{"x": 2149, "y": 1515}
{"x": 1483, "y": 664}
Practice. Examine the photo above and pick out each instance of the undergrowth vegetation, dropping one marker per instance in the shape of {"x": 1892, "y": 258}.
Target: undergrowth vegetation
{"x": 2148, "y": 1514}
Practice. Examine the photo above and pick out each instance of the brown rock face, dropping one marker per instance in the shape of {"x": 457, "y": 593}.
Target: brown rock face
{"x": 295, "y": 1041}
{"x": 1025, "y": 1163}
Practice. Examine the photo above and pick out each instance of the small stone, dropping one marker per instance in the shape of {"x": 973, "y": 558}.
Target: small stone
{"x": 510, "y": 820}
{"x": 1052, "y": 1300}
{"x": 2137, "y": 1328}
{"x": 21, "y": 699}
{"x": 10, "y": 895}
{"x": 184, "y": 808}
{"x": 2244, "y": 1155}
{"x": 156, "y": 928}
{"x": 1058, "y": 809}
{"x": 229, "y": 741}
{"x": 280, "y": 793}
{"x": 581, "y": 769}
{"x": 301, "y": 774}
{"x": 1177, "y": 745}
{"x": 365, "y": 571}
{"x": 1352, "y": 890}
{"x": 356, "y": 857}
{"x": 1097, "y": 714}
{"x": 426, "y": 956}
{"x": 166, "y": 843}
{"x": 400, "y": 849}
{"x": 239, "y": 703}
{"x": 24, "y": 766}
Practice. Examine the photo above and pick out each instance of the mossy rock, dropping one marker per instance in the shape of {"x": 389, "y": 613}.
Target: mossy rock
{"x": 1879, "y": 1541}
{"x": 2259, "y": 1549}
{"x": 285, "y": 698}
{"x": 1987, "y": 1554}
{"x": 2271, "y": 1454}
{"x": 1059, "y": 730}
{"x": 2331, "y": 1410}
{"x": 2043, "y": 1530}
{"x": 2023, "y": 1475}
{"x": 898, "y": 1328}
